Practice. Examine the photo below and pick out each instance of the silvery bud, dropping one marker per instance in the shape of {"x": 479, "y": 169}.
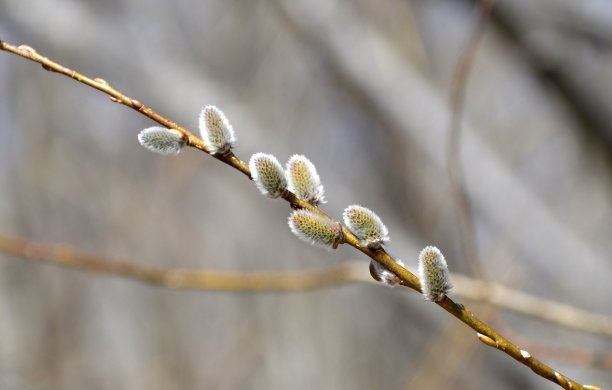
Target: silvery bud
{"x": 366, "y": 225}
{"x": 433, "y": 273}
{"x": 315, "y": 229}
{"x": 268, "y": 174}
{"x": 216, "y": 131}
{"x": 382, "y": 274}
{"x": 304, "y": 181}
{"x": 162, "y": 140}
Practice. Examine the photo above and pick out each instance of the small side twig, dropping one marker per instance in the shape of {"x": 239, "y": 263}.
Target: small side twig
{"x": 408, "y": 279}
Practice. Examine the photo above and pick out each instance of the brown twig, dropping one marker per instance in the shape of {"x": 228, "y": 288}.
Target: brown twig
{"x": 532, "y": 306}
{"x": 210, "y": 280}
{"x": 347, "y": 272}
{"x": 408, "y": 279}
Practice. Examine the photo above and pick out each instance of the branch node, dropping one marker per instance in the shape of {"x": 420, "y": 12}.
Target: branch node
{"x": 525, "y": 354}
{"x": 487, "y": 340}
{"x": 340, "y": 238}
{"x": 101, "y": 81}
{"x": 27, "y": 49}
{"x": 562, "y": 381}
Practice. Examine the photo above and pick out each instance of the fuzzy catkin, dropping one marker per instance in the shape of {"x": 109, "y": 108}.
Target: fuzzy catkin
{"x": 315, "y": 229}
{"x": 433, "y": 273}
{"x": 268, "y": 174}
{"x": 216, "y": 130}
{"x": 366, "y": 225}
{"x": 161, "y": 140}
{"x": 384, "y": 275}
{"x": 303, "y": 180}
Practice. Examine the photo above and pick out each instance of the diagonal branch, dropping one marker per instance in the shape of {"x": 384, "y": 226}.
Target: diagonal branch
{"x": 485, "y": 333}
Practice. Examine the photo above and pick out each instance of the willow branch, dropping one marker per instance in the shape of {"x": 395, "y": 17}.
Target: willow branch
{"x": 66, "y": 256}
{"x": 344, "y": 273}
{"x": 531, "y": 305}
{"x": 486, "y": 334}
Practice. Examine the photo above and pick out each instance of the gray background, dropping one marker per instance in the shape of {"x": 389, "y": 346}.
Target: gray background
{"x": 362, "y": 89}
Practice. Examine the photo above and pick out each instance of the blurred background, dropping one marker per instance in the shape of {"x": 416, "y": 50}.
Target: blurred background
{"x": 361, "y": 88}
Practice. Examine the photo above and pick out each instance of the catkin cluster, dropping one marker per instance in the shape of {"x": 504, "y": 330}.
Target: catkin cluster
{"x": 301, "y": 178}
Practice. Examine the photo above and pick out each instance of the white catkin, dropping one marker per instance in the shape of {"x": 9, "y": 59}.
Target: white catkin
{"x": 216, "y": 130}
{"x": 315, "y": 229}
{"x": 382, "y": 274}
{"x": 433, "y": 273}
{"x": 366, "y": 225}
{"x": 161, "y": 140}
{"x": 268, "y": 174}
{"x": 304, "y": 181}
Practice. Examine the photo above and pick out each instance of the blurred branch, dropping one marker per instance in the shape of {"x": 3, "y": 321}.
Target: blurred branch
{"x": 66, "y": 256}
{"x": 455, "y": 166}
{"x": 530, "y": 305}
{"x": 584, "y": 91}
{"x": 485, "y": 333}
{"x": 563, "y": 355}
{"x": 344, "y": 273}
{"x": 463, "y": 206}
